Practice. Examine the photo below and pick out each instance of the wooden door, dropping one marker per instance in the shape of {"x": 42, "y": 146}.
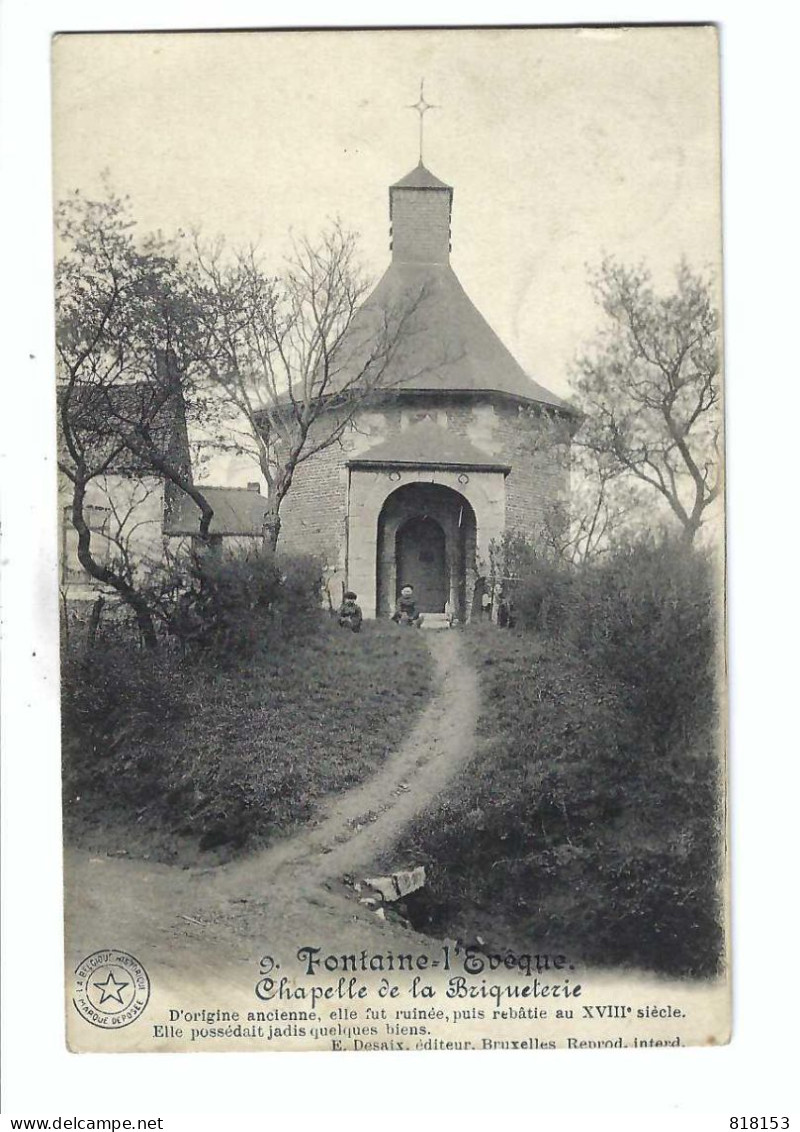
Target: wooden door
{"x": 421, "y": 563}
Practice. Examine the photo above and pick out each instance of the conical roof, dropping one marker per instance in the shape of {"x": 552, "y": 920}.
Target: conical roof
{"x": 420, "y": 178}
{"x": 445, "y": 343}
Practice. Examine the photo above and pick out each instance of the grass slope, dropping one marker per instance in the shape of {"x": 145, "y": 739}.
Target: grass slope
{"x": 574, "y": 831}
{"x": 225, "y": 757}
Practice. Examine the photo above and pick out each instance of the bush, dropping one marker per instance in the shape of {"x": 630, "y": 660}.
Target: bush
{"x": 232, "y": 602}
{"x": 591, "y": 821}
{"x": 117, "y": 700}
{"x": 542, "y": 600}
{"x": 646, "y": 617}
{"x": 300, "y": 596}
{"x": 538, "y": 584}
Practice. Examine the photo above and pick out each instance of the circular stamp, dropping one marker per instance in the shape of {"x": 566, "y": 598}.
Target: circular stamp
{"x": 111, "y": 989}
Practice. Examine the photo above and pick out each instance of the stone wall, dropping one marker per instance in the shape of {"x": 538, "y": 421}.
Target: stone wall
{"x": 313, "y": 512}
{"x": 326, "y": 509}
{"x": 539, "y": 476}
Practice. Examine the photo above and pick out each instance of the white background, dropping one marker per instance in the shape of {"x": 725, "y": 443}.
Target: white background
{"x": 620, "y": 1089}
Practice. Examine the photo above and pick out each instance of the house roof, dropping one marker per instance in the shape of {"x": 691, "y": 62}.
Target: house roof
{"x": 446, "y": 344}
{"x": 428, "y": 444}
{"x": 237, "y": 511}
{"x": 420, "y": 178}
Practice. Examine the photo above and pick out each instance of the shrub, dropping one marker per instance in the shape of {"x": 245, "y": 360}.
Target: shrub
{"x": 232, "y": 602}
{"x": 300, "y": 595}
{"x": 115, "y": 698}
{"x": 591, "y": 821}
{"x": 538, "y": 583}
{"x": 646, "y": 617}
{"x": 542, "y": 599}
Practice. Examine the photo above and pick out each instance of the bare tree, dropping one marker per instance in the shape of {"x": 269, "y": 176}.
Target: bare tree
{"x": 579, "y": 520}
{"x": 165, "y": 355}
{"x": 650, "y": 389}
{"x": 585, "y": 526}
{"x": 131, "y": 359}
{"x": 296, "y": 360}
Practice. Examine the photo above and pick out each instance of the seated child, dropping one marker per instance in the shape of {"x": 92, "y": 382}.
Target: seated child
{"x": 406, "y": 612}
{"x": 350, "y": 614}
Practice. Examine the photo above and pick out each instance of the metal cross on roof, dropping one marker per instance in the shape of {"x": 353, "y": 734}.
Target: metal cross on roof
{"x": 422, "y": 106}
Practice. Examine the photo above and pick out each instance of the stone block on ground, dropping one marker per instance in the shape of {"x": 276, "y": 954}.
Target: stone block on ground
{"x": 398, "y": 884}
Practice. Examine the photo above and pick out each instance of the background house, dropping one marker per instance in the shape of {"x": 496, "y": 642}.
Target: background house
{"x": 134, "y": 514}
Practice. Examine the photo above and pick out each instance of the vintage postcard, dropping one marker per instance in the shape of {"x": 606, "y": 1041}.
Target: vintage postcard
{"x": 390, "y": 446}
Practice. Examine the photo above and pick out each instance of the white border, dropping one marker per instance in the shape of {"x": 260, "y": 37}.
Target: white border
{"x": 750, "y": 1077}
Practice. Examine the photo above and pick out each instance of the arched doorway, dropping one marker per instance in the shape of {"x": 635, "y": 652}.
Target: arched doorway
{"x": 426, "y": 537}
{"x": 422, "y": 562}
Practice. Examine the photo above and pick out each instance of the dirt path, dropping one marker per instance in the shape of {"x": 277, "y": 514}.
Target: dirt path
{"x": 291, "y": 891}
{"x": 366, "y": 821}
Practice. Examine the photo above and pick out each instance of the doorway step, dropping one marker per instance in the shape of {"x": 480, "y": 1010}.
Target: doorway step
{"x": 435, "y": 621}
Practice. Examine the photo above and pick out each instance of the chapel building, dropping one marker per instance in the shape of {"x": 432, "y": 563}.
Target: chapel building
{"x": 448, "y": 457}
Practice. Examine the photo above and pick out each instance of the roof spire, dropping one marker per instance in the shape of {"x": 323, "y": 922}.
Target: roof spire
{"x": 422, "y": 106}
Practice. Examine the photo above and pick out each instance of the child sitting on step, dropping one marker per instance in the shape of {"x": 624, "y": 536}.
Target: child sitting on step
{"x": 350, "y": 615}
{"x": 406, "y": 612}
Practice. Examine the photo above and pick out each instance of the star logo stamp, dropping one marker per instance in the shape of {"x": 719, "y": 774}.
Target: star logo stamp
{"x": 112, "y": 989}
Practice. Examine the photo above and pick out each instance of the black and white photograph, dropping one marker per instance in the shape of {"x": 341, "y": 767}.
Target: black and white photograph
{"x": 390, "y": 448}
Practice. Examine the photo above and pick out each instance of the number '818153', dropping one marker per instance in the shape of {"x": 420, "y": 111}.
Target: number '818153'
{"x": 759, "y": 1122}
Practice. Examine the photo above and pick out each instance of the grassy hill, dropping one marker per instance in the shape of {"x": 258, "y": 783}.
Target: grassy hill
{"x": 592, "y": 819}
{"x": 169, "y": 758}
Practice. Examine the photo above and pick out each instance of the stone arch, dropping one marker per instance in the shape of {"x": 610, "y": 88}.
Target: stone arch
{"x": 441, "y": 566}
{"x": 370, "y": 488}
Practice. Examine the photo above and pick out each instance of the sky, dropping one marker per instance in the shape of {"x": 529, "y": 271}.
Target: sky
{"x": 562, "y": 145}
